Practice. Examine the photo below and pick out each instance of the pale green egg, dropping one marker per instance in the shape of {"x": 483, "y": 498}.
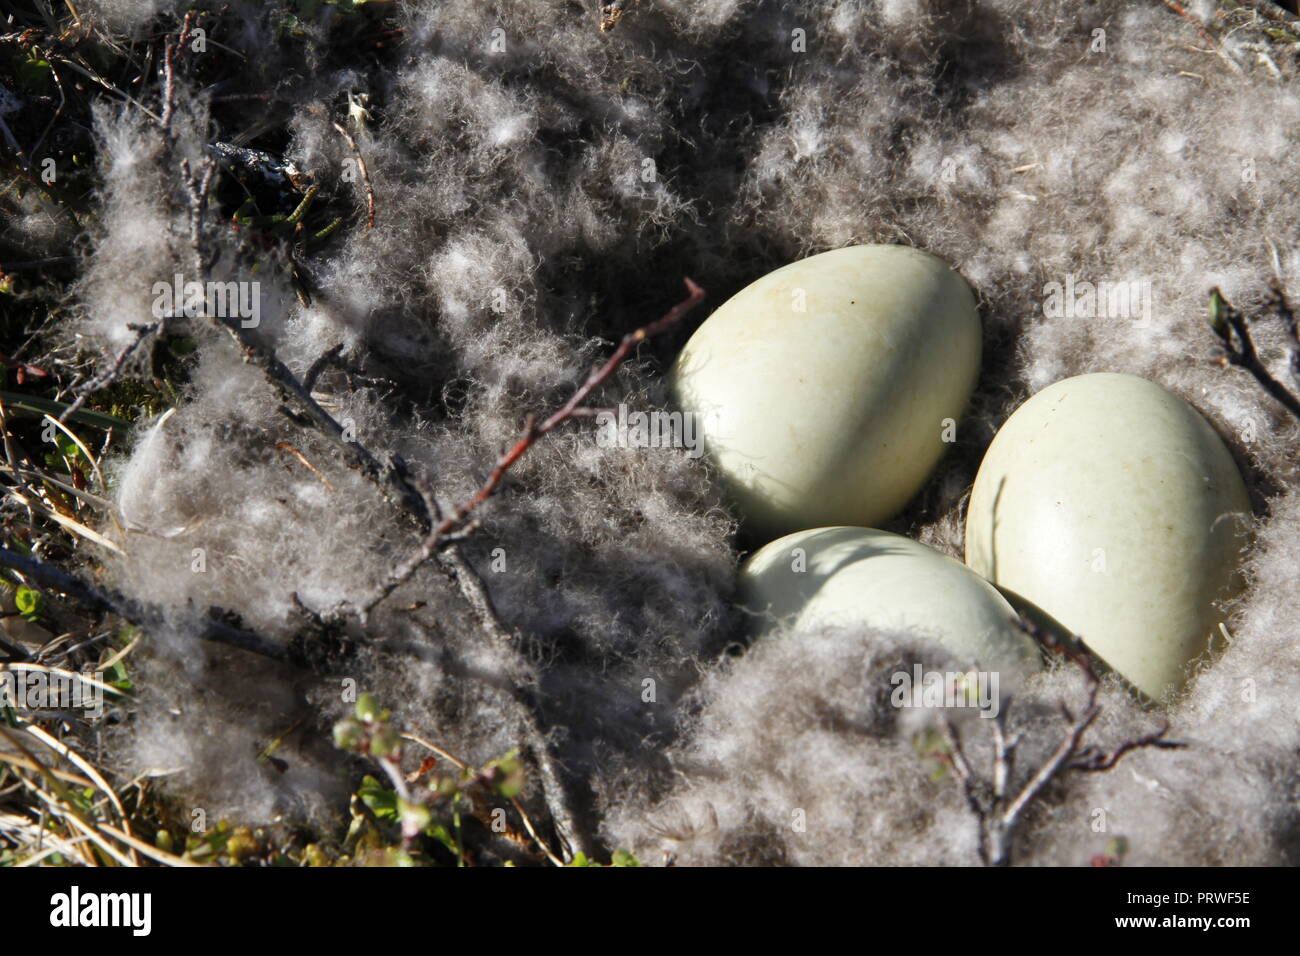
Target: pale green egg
{"x": 1112, "y": 505}
{"x": 827, "y": 390}
{"x": 862, "y": 577}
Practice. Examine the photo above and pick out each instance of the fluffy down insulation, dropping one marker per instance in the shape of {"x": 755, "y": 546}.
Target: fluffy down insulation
{"x": 542, "y": 187}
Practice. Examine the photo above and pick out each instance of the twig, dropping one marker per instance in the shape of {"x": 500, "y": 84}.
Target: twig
{"x": 109, "y": 375}
{"x": 390, "y": 479}
{"x": 142, "y": 615}
{"x": 365, "y": 174}
{"x": 514, "y": 801}
{"x": 1093, "y": 760}
{"x": 89, "y": 73}
{"x": 996, "y": 807}
{"x": 23, "y": 161}
{"x": 1272, "y": 11}
{"x": 15, "y": 651}
{"x": 441, "y": 534}
{"x": 57, "y": 111}
{"x": 1196, "y": 22}
{"x": 573, "y": 408}
{"x": 1229, "y": 324}
{"x": 196, "y": 189}
{"x": 169, "y": 73}
{"x": 442, "y": 539}
{"x": 284, "y": 446}
{"x": 38, "y": 263}
{"x": 396, "y": 488}
{"x": 319, "y": 366}
{"x": 429, "y": 545}
{"x": 448, "y": 531}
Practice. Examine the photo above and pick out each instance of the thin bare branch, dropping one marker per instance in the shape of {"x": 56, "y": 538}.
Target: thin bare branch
{"x": 573, "y": 408}
{"x": 143, "y": 615}
{"x": 365, "y": 174}
{"x": 996, "y": 808}
{"x": 1230, "y": 325}
{"x": 169, "y": 73}
{"x": 110, "y": 374}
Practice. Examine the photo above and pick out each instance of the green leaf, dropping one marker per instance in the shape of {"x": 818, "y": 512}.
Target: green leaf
{"x": 32, "y": 74}
{"x": 385, "y": 742}
{"x": 368, "y": 708}
{"x": 65, "y": 447}
{"x": 381, "y": 800}
{"x": 1218, "y": 313}
{"x": 507, "y": 775}
{"x": 443, "y": 836}
{"x": 624, "y": 858}
{"x": 116, "y": 676}
{"x": 28, "y": 601}
{"x": 348, "y": 734}
{"x": 415, "y": 816}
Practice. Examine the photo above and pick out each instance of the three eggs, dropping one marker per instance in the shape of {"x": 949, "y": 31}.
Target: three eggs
{"x": 828, "y": 391}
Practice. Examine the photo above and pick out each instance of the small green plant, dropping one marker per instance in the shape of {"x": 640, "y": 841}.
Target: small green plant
{"x": 430, "y": 804}
{"x": 410, "y": 808}
{"x": 29, "y": 602}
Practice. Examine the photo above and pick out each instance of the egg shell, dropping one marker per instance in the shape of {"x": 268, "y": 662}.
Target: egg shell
{"x": 823, "y": 388}
{"x": 1114, "y": 506}
{"x": 870, "y": 578}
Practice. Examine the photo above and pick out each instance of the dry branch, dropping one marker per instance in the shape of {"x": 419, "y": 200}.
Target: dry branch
{"x": 142, "y": 615}
{"x": 169, "y": 73}
{"x": 1230, "y": 325}
{"x": 441, "y": 535}
{"x": 109, "y": 375}
{"x": 574, "y": 408}
{"x": 365, "y": 174}
{"x": 997, "y": 806}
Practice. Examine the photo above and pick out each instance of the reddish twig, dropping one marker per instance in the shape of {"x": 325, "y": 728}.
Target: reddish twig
{"x": 169, "y": 72}
{"x": 573, "y": 408}
{"x": 284, "y": 446}
{"x": 1196, "y": 22}
{"x": 450, "y": 530}
{"x": 445, "y": 533}
{"x": 1091, "y": 759}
